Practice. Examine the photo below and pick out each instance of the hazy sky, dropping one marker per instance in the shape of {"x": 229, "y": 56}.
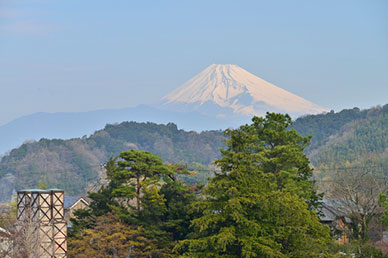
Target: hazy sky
{"x": 82, "y": 55}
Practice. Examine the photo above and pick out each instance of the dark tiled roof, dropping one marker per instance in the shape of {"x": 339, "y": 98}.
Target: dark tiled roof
{"x": 70, "y": 201}
{"x": 331, "y": 210}
{"x": 327, "y": 215}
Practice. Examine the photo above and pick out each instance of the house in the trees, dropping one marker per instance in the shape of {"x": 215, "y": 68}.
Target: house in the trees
{"x": 338, "y": 223}
{"x": 73, "y": 203}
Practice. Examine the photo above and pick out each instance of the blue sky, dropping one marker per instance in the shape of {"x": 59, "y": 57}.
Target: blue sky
{"x": 83, "y": 55}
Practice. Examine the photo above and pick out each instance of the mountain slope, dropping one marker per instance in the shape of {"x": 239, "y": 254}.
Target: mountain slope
{"x": 350, "y": 139}
{"x": 237, "y": 91}
{"x": 325, "y": 126}
{"x": 73, "y": 164}
{"x": 360, "y": 142}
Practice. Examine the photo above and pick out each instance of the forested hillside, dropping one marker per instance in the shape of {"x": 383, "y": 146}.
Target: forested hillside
{"x": 73, "y": 164}
{"x": 350, "y": 138}
{"x": 323, "y": 126}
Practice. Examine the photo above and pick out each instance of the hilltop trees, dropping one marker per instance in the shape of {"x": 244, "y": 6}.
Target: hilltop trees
{"x": 260, "y": 204}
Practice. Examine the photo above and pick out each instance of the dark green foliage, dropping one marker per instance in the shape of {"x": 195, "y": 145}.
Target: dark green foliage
{"x": 323, "y": 126}
{"x": 268, "y": 146}
{"x": 350, "y": 133}
{"x": 258, "y": 205}
{"x": 362, "y": 137}
{"x": 137, "y": 171}
{"x": 142, "y": 192}
{"x": 361, "y": 143}
{"x": 368, "y": 250}
{"x": 166, "y": 141}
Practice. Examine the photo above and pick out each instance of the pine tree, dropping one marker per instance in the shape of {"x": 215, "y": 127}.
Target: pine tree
{"x": 143, "y": 193}
{"x": 260, "y": 204}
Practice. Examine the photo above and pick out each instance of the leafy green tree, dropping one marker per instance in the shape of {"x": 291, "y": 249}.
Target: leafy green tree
{"x": 260, "y": 204}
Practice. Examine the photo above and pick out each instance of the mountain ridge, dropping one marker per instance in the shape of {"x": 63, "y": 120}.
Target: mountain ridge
{"x": 73, "y": 164}
{"x": 58, "y": 162}
{"x": 67, "y": 125}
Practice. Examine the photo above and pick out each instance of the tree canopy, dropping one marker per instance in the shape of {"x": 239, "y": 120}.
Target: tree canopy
{"x": 145, "y": 201}
{"x": 260, "y": 204}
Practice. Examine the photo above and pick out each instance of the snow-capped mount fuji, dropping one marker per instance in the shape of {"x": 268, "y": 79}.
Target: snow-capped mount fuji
{"x": 228, "y": 89}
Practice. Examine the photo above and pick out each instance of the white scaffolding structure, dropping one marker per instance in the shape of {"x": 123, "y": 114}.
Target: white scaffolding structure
{"x": 44, "y": 211}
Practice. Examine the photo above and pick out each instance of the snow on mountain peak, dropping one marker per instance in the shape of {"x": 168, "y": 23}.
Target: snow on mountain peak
{"x": 230, "y": 86}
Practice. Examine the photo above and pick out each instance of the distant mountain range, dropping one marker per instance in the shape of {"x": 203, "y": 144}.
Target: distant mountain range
{"x": 219, "y": 97}
{"x": 353, "y": 138}
{"x": 68, "y": 125}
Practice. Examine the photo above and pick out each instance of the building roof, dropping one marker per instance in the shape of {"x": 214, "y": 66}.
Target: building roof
{"x": 326, "y": 215}
{"x": 331, "y": 210}
{"x": 40, "y": 190}
{"x": 71, "y": 200}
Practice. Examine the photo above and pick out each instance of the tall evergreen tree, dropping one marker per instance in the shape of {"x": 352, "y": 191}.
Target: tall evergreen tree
{"x": 260, "y": 204}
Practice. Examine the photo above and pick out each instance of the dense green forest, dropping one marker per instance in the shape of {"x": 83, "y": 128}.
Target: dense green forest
{"x": 357, "y": 141}
{"x": 323, "y": 126}
{"x": 349, "y": 138}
